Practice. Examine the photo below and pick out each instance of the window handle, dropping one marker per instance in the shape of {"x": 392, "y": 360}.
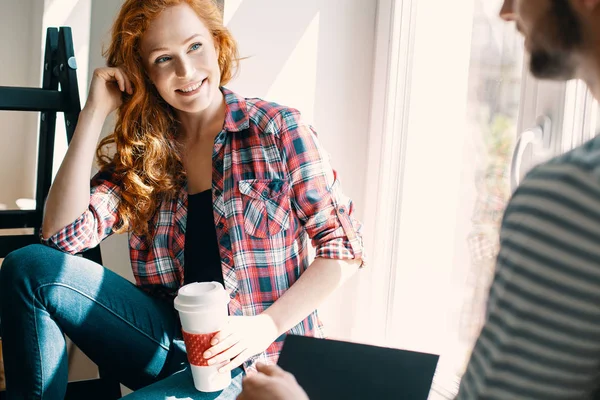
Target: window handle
{"x": 538, "y": 138}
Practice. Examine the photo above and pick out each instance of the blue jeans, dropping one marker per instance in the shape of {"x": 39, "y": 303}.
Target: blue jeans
{"x": 45, "y": 293}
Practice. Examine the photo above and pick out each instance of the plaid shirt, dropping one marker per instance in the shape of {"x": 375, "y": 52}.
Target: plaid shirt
{"x": 272, "y": 187}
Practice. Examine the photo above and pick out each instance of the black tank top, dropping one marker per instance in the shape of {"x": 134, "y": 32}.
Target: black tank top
{"x": 202, "y": 260}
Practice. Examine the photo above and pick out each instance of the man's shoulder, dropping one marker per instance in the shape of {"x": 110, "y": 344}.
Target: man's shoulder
{"x": 580, "y": 166}
{"x": 565, "y": 188}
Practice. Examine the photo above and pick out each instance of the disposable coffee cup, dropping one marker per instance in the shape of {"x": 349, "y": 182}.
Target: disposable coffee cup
{"x": 202, "y": 308}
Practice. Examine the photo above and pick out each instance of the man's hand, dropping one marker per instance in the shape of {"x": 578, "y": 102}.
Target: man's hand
{"x": 271, "y": 383}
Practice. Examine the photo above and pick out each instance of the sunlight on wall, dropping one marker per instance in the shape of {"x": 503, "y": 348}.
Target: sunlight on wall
{"x": 231, "y": 6}
{"x": 57, "y": 11}
{"x": 297, "y": 81}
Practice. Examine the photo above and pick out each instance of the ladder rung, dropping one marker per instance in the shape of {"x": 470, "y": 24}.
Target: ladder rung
{"x": 12, "y": 219}
{"x": 14, "y": 98}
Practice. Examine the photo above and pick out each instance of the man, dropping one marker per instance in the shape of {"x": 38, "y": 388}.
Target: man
{"x": 541, "y": 339}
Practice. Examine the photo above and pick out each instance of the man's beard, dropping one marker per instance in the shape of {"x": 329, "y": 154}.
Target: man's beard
{"x": 556, "y": 65}
{"x": 555, "y": 60}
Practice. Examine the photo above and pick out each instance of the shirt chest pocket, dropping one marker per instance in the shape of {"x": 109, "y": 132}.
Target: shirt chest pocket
{"x": 266, "y": 205}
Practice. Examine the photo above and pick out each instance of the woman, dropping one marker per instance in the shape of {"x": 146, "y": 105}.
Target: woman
{"x": 199, "y": 177}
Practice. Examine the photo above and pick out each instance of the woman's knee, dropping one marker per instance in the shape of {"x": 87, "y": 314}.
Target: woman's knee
{"x": 27, "y": 263}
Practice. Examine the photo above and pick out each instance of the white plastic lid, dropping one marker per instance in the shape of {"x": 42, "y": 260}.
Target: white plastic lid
{"x": 193, "y": 297}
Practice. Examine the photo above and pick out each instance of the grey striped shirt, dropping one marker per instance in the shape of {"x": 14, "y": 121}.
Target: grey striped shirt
{"x": 541, "y": 338}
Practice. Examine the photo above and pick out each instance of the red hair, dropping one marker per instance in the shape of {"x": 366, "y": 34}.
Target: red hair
{"x": 147, "y": 161}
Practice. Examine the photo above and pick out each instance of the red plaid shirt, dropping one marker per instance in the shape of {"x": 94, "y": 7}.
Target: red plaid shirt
{"x": 273, "y": 187}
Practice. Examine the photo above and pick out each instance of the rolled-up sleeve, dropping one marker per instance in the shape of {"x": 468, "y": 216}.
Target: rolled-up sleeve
{"x": 95, "y": 224}
{"x": 327, "y": 214}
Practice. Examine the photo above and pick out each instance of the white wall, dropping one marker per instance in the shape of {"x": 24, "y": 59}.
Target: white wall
{"x": 19, "y": 66}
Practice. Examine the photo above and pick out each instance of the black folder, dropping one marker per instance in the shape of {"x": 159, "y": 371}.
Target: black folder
{"x": 331, "y": 369}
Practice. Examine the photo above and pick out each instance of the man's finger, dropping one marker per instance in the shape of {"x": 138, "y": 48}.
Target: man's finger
{"x": 271, "y": 370}
{"x": 253, "y": 379}
{"x": 253, "y": 387}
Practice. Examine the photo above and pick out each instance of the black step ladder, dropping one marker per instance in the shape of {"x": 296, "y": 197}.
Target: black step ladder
{"x": 59, "y": 68}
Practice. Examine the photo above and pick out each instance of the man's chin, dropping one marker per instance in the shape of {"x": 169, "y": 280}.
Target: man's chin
{"x": 552, "y": 66}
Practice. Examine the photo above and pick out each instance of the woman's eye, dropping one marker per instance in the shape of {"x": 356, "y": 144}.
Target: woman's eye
{"x": 161, "y": 60}
{"x": 195, "y": 46}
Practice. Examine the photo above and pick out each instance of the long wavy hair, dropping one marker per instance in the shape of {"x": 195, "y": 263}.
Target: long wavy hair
{"x": 146, "y": 161}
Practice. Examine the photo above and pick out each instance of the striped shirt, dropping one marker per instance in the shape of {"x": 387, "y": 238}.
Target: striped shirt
{"x": 541, "y": 338}
{"x": 273, "y": 188}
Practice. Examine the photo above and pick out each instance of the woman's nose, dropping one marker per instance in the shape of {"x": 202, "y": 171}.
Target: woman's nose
{"x": 184, "y": 68}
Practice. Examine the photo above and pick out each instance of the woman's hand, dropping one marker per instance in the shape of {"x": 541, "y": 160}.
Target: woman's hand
{"x": 242, "y": 338}
{"x": 271, "y": 383}
{"x": 106, "y": 89}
